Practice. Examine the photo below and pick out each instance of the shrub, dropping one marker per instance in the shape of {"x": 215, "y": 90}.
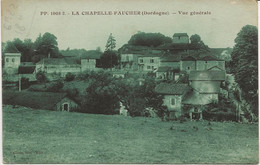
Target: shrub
{"x": 69, "y": 77}
{"x": 55, "y": 87}
{"x": 219, "y": 114}
{"x": 24, "y": 83}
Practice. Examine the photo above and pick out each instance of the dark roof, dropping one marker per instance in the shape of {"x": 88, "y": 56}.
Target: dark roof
{"x": 209, "y": 58}
{"x": 163, "y": 69}
{"x": 195, "y": 98}
{"x": 91, "y": 54}
{"x": 180, "y": 34}
{"x": 188, "y": 58}
{"x": 212, "y": 68}
{"x": 171, "y": 58}
{"x": 37, "y": 100}
{"x": 171, "y": 89}
{"x": 214, "y": 75}
{"x": 26, "y": 69}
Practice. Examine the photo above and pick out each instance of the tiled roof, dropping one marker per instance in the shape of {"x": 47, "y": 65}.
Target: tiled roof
{"x": 171, "y": 89}
{"x": 180, "y": 34}
{"x": 37, "y": 100}
{"x": 214, "y": 75}
{"x": 58, "y": 61}
{"x": 189, "y": 58}
{"x": 91, "y": 54}
{"x": 173, "y": 58}
{"x": 209, "y": 58}
{"x": 163, "y": 69}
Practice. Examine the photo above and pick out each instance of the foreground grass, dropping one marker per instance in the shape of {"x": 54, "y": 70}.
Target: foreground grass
{"x": 39, "y": 136}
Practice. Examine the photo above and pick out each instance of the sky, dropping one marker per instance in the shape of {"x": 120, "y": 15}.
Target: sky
{"x": 26, "y": 19}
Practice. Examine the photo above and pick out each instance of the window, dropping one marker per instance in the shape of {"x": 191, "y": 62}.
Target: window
{"x": 179, "y": 37}
{"x": 188, "y": 68}
{"x": 152, "y": 67}
{"x": 206, "y": 62}
{"x": 148, "y": 67}
{"x": 173, "y": 101}
{"x": 12, "y": 59}
{"x": 152, "y": 61}
{"x": 7, "y": 60}
{"x": 141, "y": 60}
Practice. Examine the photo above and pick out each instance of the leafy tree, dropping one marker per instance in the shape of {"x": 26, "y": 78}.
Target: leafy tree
{"x": 101, "y": 96}
{"x": 69, "y": 77}
{"x": 109, "y": 59}
{"x": 56, "y": 86}
{"x": 47, "y": 44}
{"x": 197, "y": 43}
{"x": 111, "y": 43}
{"x": 149, "y": 39}
{"x": 41, "y": 77}
{"x": 244, "y": 64}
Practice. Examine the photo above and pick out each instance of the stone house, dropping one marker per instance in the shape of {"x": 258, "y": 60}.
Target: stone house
{"x": 11, "y": 62}
{"x": 40, "y": 100}
{"x": 149, "y": 62}
{"x": 173, "y": 95}
{"x": 205, "y": 87}
{"x": 90, "y": 60}
{"x": 180, "y": 38}
{"x": 208, "y": 61}
{"x": 60, "y": 66}
{"x": 188, "y": 64}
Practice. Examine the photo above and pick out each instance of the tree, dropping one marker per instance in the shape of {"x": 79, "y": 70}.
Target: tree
{"x": 244, "y": 64}
{"x": 149, "y": 39}
{"x": 111, "y": 43}
{"x": 109, "y": 59}
{"x": 197, "y": 43}
{"x": 41, "y": 77}
{"x": 47, "y": 45}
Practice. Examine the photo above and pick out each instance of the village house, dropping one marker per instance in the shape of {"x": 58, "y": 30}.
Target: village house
{"x": 180, "y": 38}
{"x": 208, "y": 61}
{"x": 173, "y": 95}
{"x": 90, "y": 60}
{"x": 188, "y": 64}
{"x": 205, "y": 90}
{"x": 40, "y": 100}
{"x": 60, "y": 66}
{"x": 148, "y": 62}
{"x": 11, "y": 62}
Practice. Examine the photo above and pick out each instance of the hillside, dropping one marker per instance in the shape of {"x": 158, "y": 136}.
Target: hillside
{"x": 39, "y": 136}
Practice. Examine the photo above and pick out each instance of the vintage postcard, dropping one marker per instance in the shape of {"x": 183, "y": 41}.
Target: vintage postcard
{"x": 129, "y": 81}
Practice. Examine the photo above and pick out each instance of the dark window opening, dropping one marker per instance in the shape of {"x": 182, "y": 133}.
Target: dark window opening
{"x": 65, "y": 107}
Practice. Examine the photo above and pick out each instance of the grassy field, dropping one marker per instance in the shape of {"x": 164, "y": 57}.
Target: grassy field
{"x": 40, "y": 136}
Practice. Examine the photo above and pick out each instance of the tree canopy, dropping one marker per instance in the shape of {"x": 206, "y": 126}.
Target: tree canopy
{"x": 109, "y": 59}
{"x": 197, "y": 43}
{"x": 244, "y": 64}
{"x": 149, "y": 39}
{"x": 111, "y": 43}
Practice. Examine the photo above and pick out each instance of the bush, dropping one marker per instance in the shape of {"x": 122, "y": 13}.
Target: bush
{"x": 55, "y": 87}
{"x": 69, "y": 77}
{"x": 24, "y": 83}
{"x": 219, "y": 114}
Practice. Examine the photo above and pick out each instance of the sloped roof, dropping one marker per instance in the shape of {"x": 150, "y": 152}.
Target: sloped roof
{"x": 195, "y": 98}
{"x": 209, "y": 58}
{"x": 37, "y": 100}
{"x": 213, "y": 75}
{"x": 163, "y": 69}
{"x": 215, "y": 67}
{"x": 189, "y": 58}
{"x": 13, "y": 53}
{"x": 171, "y": 88}
{"x": 173, "y": 46}
{"x": 91, "y": 54}
{"x": 180, "y": 34}
{"x": 172, "y": 58}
